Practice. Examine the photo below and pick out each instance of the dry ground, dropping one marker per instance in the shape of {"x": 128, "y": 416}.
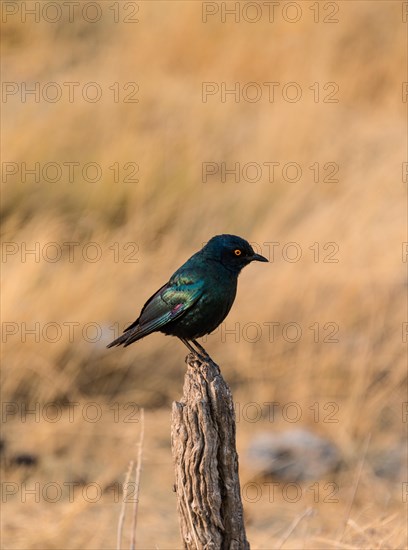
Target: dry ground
{"x": 338, "y": 338}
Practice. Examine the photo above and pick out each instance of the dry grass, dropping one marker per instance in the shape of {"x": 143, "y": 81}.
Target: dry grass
{"x": 169, "y": 213}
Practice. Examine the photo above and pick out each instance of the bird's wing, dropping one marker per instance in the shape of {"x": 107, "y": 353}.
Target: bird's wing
{"x": 170, "y": 302}
{"x": 149, "y": 301}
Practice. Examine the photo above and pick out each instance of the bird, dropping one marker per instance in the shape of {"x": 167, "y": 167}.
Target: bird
{"x": 197, "y": 297}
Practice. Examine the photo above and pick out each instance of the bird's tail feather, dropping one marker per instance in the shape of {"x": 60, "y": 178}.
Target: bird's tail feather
{"x": 119, "y": 341}
{"x": 127, "y": 338}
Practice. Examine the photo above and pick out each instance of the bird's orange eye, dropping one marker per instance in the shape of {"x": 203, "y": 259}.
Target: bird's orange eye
{"x": 237, "y": 252}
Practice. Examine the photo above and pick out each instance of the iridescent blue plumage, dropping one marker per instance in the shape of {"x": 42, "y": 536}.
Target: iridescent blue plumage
{"x": 198, "y": 296}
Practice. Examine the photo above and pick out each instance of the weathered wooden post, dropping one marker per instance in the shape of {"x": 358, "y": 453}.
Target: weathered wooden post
{"x": 206, "y": 461}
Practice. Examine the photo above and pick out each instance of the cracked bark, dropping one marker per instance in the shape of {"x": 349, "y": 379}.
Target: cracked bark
{"x": 206, "y": 461}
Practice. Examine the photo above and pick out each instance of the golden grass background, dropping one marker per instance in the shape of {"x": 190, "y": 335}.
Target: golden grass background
{"x": 169, "y": 214}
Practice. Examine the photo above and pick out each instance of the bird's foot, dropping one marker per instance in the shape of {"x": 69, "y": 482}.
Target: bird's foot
{"x": 200, "y": 357}
{"x": 201, "y": 354}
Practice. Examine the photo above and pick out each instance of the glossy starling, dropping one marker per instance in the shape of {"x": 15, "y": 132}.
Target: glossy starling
{"x": 197, "y": 297}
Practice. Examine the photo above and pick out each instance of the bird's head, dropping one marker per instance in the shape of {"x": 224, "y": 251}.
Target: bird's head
{"x": 232, "y": 251}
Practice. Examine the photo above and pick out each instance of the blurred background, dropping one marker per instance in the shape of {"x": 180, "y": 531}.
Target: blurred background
{"x": 132, "y": 133}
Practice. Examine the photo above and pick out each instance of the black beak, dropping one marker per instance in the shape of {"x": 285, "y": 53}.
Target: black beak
{"x": 258, "y": 258}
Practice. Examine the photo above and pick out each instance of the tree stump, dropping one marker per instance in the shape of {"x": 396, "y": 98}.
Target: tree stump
{"x": 206, "y": 461}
